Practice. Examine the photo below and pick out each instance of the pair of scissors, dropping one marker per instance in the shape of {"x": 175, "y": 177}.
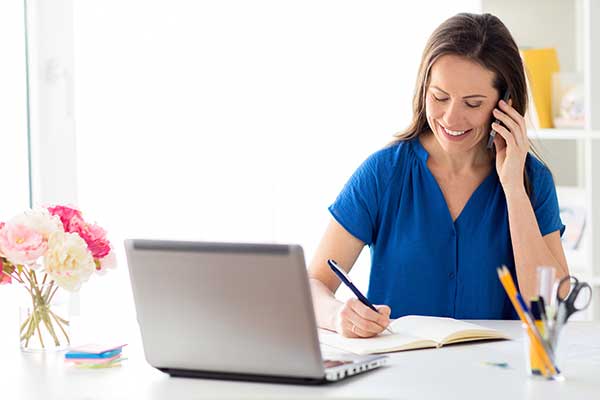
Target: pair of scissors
{"x": 576, "y": 298}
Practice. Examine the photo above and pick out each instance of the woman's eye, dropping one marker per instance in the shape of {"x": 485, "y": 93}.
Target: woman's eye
{"x": 469, "y": 104}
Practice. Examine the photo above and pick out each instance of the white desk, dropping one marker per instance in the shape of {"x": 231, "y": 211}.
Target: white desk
{"x": 453, "y": 372}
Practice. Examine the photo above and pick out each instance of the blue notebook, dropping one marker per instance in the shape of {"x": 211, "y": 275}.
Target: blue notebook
{"x": 88, "y": 352}
{"x": 107, "y": 354}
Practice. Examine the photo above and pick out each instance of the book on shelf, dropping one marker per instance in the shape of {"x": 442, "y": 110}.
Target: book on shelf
{"x": 413, "y": 332}
{"x": 574, "y": 219}
{"x": 540, "y": 65}
{"x": 573, "y": 214}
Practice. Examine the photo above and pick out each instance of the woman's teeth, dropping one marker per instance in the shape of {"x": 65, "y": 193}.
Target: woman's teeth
{"x": 454, "y": 133}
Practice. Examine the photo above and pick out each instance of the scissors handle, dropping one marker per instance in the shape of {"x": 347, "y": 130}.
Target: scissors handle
{"x": 578, "y": 296}
{"x": 566, "y": 285}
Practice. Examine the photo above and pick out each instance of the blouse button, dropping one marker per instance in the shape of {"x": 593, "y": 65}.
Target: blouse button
{"x": 451, "y": 275}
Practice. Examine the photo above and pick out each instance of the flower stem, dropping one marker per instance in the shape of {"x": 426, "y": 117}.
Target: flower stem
{"x": 58, "y": 322}
{"x": 41, "y": 312}
{"x": 37, "y": 326}
{"x": 52, "y": 294}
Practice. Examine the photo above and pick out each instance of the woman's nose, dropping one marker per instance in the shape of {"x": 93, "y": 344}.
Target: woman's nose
{"x": 452, "y": 115}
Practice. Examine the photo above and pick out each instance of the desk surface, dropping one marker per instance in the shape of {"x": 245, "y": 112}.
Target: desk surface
{"x": 457, "y": 371}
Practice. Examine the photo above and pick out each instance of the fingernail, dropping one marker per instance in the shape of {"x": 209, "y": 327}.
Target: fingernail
{"x": 502, "y": 102}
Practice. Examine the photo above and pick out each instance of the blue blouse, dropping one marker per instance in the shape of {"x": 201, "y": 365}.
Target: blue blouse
{"x": 423, "y": 262}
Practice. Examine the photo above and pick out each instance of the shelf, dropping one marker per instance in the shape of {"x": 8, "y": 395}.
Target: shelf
{"x": 563, "y": 134}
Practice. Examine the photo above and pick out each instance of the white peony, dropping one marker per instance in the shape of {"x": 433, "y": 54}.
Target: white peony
{"x": 68, "y": 260}
{"x": 40, "y": 221}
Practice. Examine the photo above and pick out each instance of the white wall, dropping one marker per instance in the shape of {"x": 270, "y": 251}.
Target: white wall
{"x": 234, "y": 120}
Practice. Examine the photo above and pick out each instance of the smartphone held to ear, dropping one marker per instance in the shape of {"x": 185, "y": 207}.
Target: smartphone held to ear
{"x": 490, "y": 142}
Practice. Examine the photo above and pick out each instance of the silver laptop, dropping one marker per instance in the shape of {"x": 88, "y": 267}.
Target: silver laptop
{"x": 231, "y": 311}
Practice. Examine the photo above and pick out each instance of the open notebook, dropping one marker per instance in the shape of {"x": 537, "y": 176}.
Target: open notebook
{"x": 413, "y": 332}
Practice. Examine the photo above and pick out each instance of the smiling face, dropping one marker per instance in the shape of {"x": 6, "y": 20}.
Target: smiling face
{"x": 459, "y": 103}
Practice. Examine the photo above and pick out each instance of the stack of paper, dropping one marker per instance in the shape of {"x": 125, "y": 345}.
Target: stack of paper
{"x": 95, "y": 356}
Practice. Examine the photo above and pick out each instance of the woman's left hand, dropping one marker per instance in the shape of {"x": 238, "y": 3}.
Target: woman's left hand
{"x": 512, "y": 146}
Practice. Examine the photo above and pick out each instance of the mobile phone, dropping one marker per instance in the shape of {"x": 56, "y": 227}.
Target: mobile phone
{"x": 490, "y": 142}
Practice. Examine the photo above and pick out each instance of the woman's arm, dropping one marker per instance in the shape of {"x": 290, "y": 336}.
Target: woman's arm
{"x": 529, "y": 247}
{"x": 352, "y": 319}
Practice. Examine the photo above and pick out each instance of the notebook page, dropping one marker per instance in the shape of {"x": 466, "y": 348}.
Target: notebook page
{"x": 434, "y": 328}
{"x": 384, "y": 342}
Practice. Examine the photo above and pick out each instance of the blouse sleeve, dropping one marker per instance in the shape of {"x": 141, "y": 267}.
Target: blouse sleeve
{"x": 545, "y": 202}
{"x": 356, "y": 206}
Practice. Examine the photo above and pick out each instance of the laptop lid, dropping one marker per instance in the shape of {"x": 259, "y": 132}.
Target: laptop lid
{"x": 225, "y": 307}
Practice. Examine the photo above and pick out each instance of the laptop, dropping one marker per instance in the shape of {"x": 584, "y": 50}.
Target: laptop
{"x": 231, "y": 311}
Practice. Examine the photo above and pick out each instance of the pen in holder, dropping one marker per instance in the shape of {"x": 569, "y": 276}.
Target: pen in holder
{"x": 533, "y": 363}
{"x": 542, "y": 325}
{"x": 534, "y": 366}
{"x": 534, "y": 340}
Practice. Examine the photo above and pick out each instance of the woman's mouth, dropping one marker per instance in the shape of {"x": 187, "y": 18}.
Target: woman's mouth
{"x": 455, "y": 135}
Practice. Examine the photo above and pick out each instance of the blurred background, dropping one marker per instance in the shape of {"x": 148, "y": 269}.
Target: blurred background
{"x": 241, "y": 121}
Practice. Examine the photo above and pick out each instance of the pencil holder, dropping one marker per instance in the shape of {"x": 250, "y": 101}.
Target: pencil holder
{"x": 534, "y": 362}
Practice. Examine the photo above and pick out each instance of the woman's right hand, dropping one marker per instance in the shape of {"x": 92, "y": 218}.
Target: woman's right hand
{"x": 355, "y": 320}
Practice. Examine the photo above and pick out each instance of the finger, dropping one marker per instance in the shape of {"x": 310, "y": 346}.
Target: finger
{"x": 348, "y": 330}
{"x": 509, "y": 123}
{"x": 505, "y": 133}
{"x": 368, "y": 314}
{"x": 349, "y": 315}
{"x": 514, "y": 114}
{"x": 500, "y": 143}
{"x": 364, "y": 324}
{"x": 508, "y": 109}
{"x": 363, "y": 333}
{"x": 384, "y": 310}
{"x": 351, "y": 331}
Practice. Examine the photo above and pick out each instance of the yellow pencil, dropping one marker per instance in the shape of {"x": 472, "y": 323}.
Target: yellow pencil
{"x": 510, "y": 289}
{"x": 535, "y": 338}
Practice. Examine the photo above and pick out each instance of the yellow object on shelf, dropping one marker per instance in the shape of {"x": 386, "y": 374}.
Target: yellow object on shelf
{"x": 540, "y": 65}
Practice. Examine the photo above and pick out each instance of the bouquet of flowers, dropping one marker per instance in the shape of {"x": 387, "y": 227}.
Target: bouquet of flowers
{"x": 47, "y": 249}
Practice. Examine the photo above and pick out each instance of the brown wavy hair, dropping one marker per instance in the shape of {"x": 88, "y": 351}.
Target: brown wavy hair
{"x": 481, "y": 38}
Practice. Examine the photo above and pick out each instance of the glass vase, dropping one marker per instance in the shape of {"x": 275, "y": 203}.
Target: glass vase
{"x": 44, "y": 318}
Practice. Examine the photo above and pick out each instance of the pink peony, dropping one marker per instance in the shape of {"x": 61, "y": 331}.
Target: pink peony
{"x": 21, "y": 244}
{"x": 94, "y": 236}
{"x": 67, "y": 215}
{"x": 73, "y": 222}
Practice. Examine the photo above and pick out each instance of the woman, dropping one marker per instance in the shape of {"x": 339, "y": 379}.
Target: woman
{"x": 440, "y": 210}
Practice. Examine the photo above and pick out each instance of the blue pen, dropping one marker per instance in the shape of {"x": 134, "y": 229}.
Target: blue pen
{"x": 346, "y": 280}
